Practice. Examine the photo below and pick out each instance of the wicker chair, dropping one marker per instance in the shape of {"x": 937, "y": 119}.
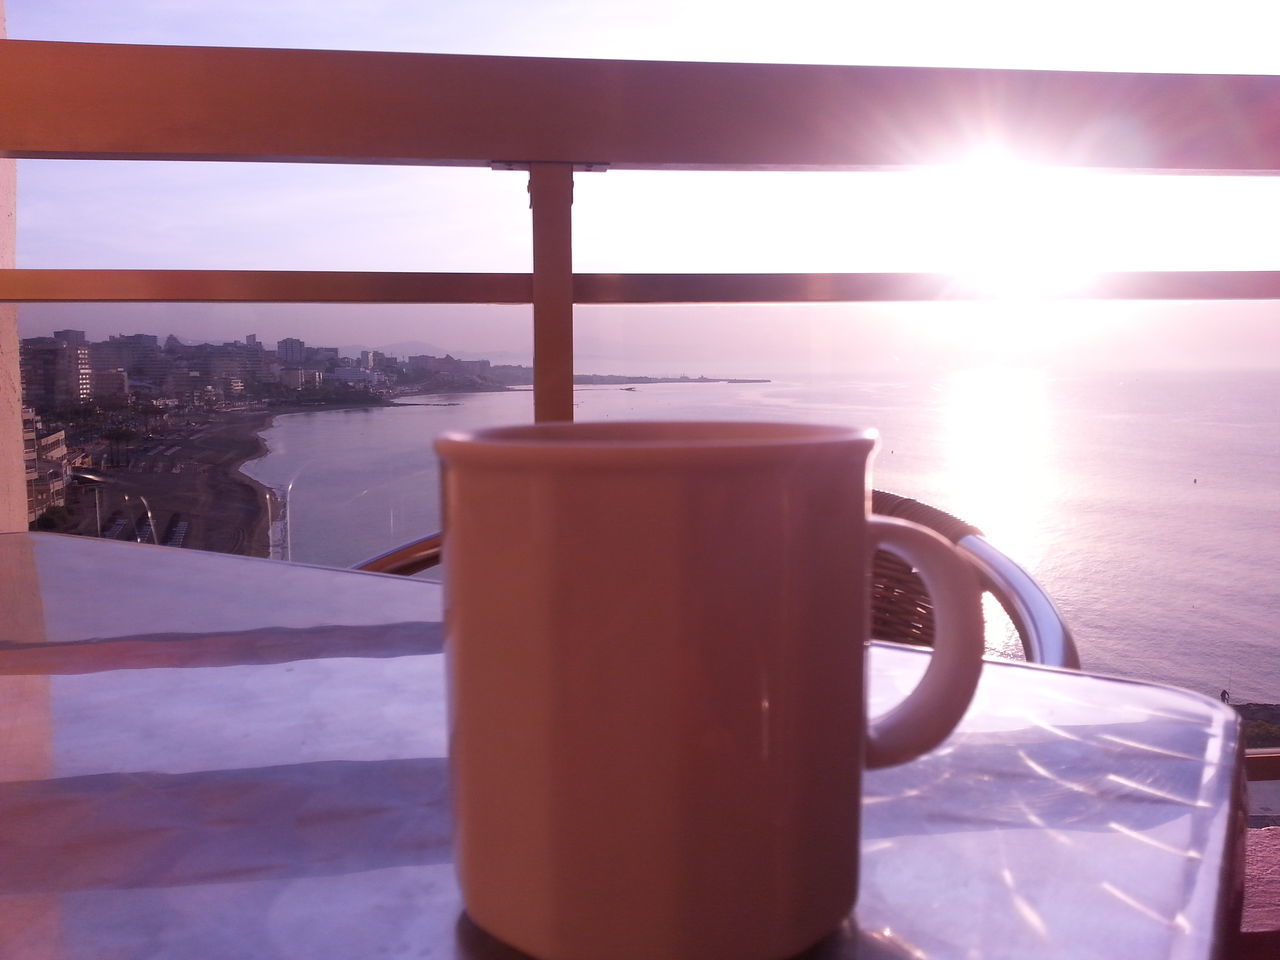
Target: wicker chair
{"x": 900, "y": 606}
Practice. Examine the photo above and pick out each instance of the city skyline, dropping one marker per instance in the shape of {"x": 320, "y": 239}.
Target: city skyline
{"x": 72, "y": 376}
{"x": 887, "y": 340}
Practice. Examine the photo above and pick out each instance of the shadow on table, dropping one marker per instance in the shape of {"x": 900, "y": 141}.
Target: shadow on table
{"x": 163, "y": 830}
{"x": 245, "y": 647}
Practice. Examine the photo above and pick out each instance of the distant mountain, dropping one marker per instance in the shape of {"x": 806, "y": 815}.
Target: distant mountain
{"x": 405, "y": 348}
{"x": 420, "y": 348}
{"x": 511, "y": 357}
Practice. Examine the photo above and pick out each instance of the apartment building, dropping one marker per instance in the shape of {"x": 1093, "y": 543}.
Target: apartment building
{"x": 56, "y": 373}
{"x": 44, "y": 460}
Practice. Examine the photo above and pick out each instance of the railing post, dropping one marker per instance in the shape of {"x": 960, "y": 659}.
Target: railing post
{"x": 551, "y": 199}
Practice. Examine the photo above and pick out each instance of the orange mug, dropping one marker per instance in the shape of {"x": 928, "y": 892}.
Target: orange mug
{"x": 655, "y": 642}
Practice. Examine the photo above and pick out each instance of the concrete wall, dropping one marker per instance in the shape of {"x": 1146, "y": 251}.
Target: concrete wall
{"x": 13, "y": 488}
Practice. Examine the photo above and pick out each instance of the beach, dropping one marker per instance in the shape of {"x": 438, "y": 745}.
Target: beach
{"x": 188, "y": 479}
{"x": 191, "y": 476}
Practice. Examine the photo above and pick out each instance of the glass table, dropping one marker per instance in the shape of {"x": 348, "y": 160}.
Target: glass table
{"x": 205, "y": 756}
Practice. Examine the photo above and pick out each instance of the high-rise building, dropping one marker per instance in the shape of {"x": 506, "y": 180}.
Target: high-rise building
{"x": 291, "y": 351}
{"x": 299, "y": 379}
{"x": 131, "y": 353}
{"x": 56, "y": 374}
{"x": 44, "y": 457}
{"x": 110, "y": 384}
{"x": 150, "y": 369}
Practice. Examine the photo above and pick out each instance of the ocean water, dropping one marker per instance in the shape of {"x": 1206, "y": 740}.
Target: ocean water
{"x": 1148, "y": 505}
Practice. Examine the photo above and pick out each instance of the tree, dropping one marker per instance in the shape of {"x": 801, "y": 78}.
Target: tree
{"x": 116, "y": 436}
{"x": 54, "y": 518}
{"x": 149, "y": 413}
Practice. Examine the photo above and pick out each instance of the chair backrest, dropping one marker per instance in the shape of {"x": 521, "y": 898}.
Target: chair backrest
{"x": 900, "y": 607}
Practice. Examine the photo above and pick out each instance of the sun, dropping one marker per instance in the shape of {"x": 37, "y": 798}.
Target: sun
{"x": 1019, "y": 231}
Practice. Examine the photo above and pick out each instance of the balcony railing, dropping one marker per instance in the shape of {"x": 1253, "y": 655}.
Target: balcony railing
{"x": 554, "y": 117}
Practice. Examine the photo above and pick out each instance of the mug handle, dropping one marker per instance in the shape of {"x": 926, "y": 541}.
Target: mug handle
{"x": 932, "y": 710}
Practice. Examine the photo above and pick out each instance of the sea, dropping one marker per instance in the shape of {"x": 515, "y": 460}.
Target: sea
{"x": 1146, "y": 504}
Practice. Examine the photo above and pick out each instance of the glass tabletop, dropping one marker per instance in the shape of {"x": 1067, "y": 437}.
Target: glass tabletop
{"x": 207, "y": 756}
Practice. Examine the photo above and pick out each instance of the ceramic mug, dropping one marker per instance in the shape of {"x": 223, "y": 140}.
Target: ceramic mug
{"x": 656, "y": 635}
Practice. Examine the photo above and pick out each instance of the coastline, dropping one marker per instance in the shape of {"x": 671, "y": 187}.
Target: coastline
{"x": 240, "y": 441}
{"x": 189, "y": 482}
{"x": 235, "y": 514}
{"x": 194, "y": 478}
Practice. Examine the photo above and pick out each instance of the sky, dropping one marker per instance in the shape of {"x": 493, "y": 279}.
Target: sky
{"x": 321, "y": 217}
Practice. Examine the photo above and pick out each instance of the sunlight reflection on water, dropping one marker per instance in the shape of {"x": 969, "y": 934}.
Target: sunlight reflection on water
{"x": 998, "y": 468}
{"x": 999, "y": 456}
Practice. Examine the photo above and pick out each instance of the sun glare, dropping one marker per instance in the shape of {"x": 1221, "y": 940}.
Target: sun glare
{"x": 1019, "y": 231}
{"x": 1000, "y": 470}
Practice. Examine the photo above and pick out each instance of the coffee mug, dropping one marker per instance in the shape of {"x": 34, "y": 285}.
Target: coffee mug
{"x": 655, "y": 644}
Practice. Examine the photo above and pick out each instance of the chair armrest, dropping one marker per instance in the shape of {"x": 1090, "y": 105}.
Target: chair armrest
{"x": 1045, "y": 636}
{"x": 406, "y": 559}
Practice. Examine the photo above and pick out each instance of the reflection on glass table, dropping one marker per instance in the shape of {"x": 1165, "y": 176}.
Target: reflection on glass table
{"x": 244, "y": 758}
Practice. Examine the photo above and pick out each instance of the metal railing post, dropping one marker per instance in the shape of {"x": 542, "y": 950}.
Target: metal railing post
{"x": 551, "y": 199}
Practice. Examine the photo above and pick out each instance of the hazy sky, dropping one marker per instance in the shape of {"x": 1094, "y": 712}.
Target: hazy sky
{"x": 270, "y": 216}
